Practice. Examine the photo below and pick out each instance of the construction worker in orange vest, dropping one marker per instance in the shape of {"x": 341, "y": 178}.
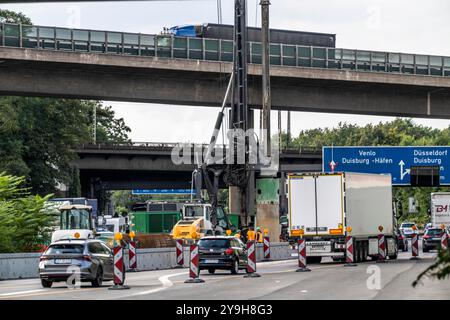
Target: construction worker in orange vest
{"x": 259, "y": 235}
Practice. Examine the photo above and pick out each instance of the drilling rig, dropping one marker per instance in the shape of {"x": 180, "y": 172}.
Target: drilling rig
{"x": 237, "y": 168}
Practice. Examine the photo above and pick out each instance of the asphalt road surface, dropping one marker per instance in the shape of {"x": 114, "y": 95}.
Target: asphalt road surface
{"x": 328, "y": 280}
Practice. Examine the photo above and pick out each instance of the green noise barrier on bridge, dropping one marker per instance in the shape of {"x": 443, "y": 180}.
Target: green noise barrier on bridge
{"x": 166, "y": 46}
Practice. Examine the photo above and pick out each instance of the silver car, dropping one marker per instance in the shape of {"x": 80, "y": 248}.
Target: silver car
{"x": 408, "y": 230}
{"x": 90, "y": 260}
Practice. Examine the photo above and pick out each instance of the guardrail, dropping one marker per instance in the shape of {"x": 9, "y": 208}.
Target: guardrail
{"x": 166, "y": 46}
{"x": 162, "y": 146}
{"x": 25, "y": 265}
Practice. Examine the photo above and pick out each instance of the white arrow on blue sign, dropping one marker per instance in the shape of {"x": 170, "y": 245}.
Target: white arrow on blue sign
{"x": 394, "y": 160}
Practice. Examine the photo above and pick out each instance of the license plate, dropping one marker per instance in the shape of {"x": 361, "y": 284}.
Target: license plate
{"x": 63, "y": 261}
{"x": 317, "y": 248}
{"x": 211, "y": 261}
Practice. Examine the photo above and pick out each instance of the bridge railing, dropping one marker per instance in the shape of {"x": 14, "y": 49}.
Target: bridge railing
{"x": 166, "y": 46}
{"x": 169, "y": 146}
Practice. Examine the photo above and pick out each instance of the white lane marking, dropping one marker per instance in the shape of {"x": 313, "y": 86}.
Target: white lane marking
{"x": 166, "y": 283}
{"x": 21, "y": 292}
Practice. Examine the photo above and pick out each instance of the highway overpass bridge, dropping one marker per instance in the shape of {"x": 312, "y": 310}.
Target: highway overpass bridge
{"x": 150, "y": 166}
{"x": 107, "y": 65}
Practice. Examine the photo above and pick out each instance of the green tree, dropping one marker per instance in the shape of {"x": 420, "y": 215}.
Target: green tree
{"x": 75, "y": 187}
{"x": 8, "y": 16}
{"x": 37, "y": 135}
{"x": 37, "y": 139}
{"x": 24, "y": 221}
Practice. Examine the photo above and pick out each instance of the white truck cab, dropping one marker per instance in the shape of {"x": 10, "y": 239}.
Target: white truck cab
{"x": 74, "y": 219}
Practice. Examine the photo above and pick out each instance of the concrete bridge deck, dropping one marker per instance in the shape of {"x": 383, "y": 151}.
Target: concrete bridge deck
{"x": 47, "y": 61}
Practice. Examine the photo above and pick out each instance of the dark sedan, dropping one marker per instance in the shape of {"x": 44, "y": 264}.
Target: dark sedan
{"x": 220, "y": 252}
{"x": 90, "y": 260}
{"x": 432, "y": 239}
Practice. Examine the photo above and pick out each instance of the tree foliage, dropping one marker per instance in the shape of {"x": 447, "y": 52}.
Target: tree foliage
{"x": 24, "y": 221}
{"x": 440, "y": 269}
{"x": 8, "y": 16}
{"x": 37, "y": 136}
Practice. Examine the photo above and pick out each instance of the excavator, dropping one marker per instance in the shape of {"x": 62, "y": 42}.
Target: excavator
{"x": 196, "y": 222}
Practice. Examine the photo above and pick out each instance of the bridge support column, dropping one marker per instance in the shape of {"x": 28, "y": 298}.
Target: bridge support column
{"x": 268, "y": 206}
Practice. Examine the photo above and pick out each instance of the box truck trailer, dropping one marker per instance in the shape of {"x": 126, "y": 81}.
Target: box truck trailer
{"x": 440, "y": 209}
{"x": 322, "y": 206}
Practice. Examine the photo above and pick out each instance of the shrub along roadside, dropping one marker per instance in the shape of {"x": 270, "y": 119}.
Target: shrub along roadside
{"x": 25, "y": 223}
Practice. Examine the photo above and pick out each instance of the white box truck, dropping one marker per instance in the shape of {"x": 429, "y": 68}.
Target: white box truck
{"x": 323, "y": 205}
{"x": 440, "y": 209}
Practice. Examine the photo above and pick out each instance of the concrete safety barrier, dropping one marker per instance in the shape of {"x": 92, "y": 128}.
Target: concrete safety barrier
{"x": 25, "y": 265}
{"x": 19, "y": 265}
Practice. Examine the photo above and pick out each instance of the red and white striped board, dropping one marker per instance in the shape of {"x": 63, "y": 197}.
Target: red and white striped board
{"x": 302, "y": 256}
{"x": 179, "y": 250}
{"x": 132, "y": 255}
{"x": 444, "y": 241}
{"x": 118, "y": 266}
{"x": 251, "y": 253}
{"x": 415, "y": 245}
{"x": 349, "y": 249}
{"x": 381, "y": 248}
{"x": 194, "y": 270}
{"x": 251, "y": 260}
{"x": 266, "y": 247}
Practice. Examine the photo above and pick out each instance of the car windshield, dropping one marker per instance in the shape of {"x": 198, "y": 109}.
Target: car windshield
{"x": 65, "y": 248}
{"x": 435, "y": 232}
{"x": 407, "y": 225}
{"x": 213, "y": 243}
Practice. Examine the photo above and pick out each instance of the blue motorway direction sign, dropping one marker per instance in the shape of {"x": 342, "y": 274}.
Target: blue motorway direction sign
{"x": 163, "y": 191}
{"x": 394, "y": 160}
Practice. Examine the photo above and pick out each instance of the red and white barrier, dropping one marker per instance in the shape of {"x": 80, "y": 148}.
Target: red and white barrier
{"x": 266, "y": 247}
{"x": 381, "y": 248}
{"x": 302, "y": 256}
{"x": 251, "y": 260}
{"x": 119, "y": 270}
{"x": 415, "y": 246}
{"x": 349, "y": 257}
{"x": 194, "y": 270}
{"x": 132, "y": 262}
{"x": 118, "y": 265}
{"x": 179, "y": 250}
{"x": 444, "y": 241}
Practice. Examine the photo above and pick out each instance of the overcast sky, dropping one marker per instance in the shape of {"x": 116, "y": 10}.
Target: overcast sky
{"x": 410, "y": 26}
